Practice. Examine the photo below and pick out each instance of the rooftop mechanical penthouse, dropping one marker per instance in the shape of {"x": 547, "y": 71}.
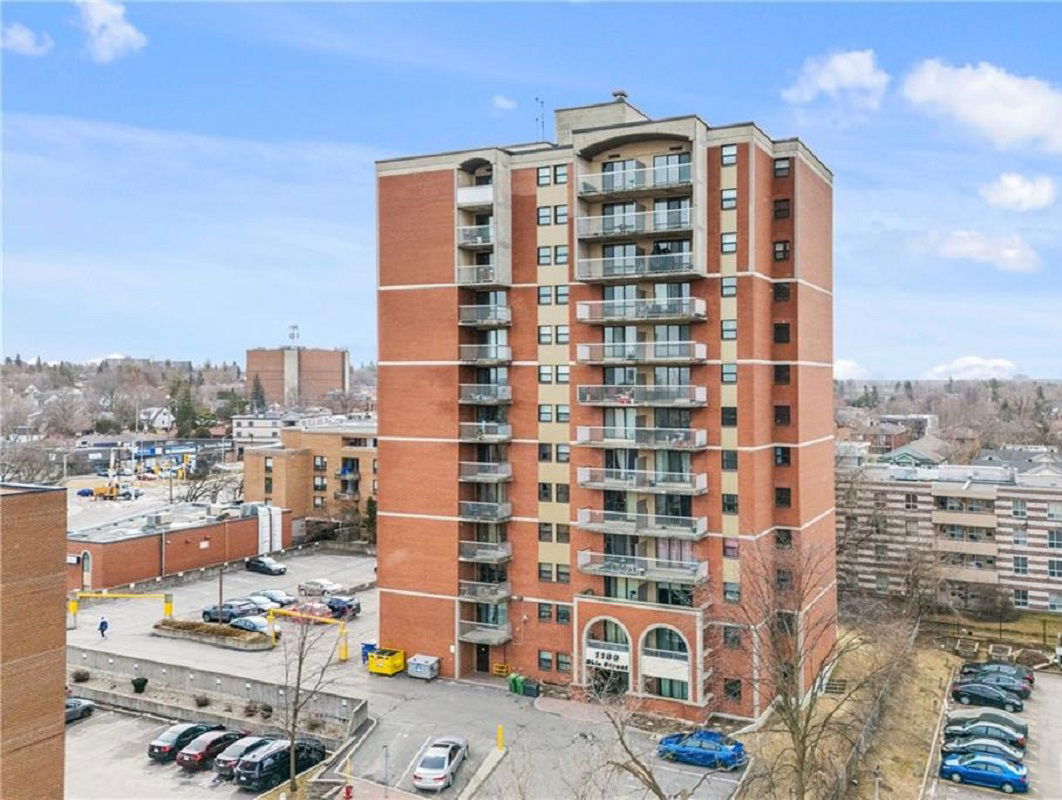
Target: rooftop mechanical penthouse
{"x": 605, "y": 404}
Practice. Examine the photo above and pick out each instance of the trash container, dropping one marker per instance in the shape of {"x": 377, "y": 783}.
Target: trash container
{"x": 422, "y": 666}
{"x": 387, "y": 662}
{"x": 530, "y": 689}
{"x": 366, "y": 648}
{"x": 512, "y": 682}
{"x": 519, "y": 683}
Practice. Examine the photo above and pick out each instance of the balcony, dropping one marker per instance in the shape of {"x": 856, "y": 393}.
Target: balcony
{"x": 634, "y": 224}
{"x": 350, "y": 496}
{"x": 968, "y": 519}
{"x": 648, "y": 481}
{"x": 671, "y": 179}
{"x": 670, "y": 309}
{"x": 484, "y": 394}
{"x": 484, "y": 354}
{"x": 347, "y": 474}
{"x": 480, "y": 592}
{"x": 475, "y": 197}
{"x": 479, "y": 276}
{"x": 487, "y": 432}
{"x": 484, "y": 316}
{"x": 655, "y": 396}
{"x": 629, "y": 524}
{"x": 641, "y": 353}
{"x": 952, "y": 572}
{"x": 643, "y": 438}
{"x": 473, "y": 511}
{"x": 977, "y": 547}
{"x": 484, "y": 471}
{"x": 662, "y": 266}
{"x": 475, "y": 237}
{"x": 673, "y": 664}
{"x": 484, "y": 552}
{"x": 642, "y": 568}
{"x": 483, "y": 632}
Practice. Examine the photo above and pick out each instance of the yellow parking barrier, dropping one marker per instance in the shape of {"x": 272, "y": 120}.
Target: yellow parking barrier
{"x": 342, "y": 652}
{"x": 74, "y": 603}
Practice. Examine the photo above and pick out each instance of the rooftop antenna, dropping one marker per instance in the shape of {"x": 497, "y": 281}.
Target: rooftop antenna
{"x": 293, "y": 332}
{"x": 540, "y": 119}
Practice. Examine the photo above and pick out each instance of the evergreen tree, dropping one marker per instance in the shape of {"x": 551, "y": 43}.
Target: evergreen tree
{"x": 908, "y": 389}
{"x": 258, "y": 398}
{"x": 185, "y": 415}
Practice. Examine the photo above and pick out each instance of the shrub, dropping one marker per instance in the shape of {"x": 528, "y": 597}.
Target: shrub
{"x": 201, "y": 700}
{"x": 314, "y": 723}
{"x": 81, "y": 675}
{"x": 139, "y": 684}
{"x": 266, "y": 711}
{"x": 250, "y": 709}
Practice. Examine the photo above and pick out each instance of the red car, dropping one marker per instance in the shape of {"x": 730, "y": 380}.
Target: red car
{"x": 202, "y": 750}
{"x": 311, "y": 608}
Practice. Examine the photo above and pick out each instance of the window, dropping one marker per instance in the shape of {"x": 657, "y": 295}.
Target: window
{"x": 320, "y": 483}
{"x": 545, "y": 660}
{"x": 782, "y": 374}
{"x": 267, "y": 485}
{"x": 545, "y": 334}
{"x": 560, "y": 254}
{"x": 564, "y": 453}
{"x": 1021, "y": 565}
{"x": 781, "y": 251}
{"x": 1019, "y": 509}
{"x": 881, "y": 552}
{"x": 545, "y": 492}
{"x": 564, "y": 615}
{"x": 545, "y": 413}
{"x": 730, "y": 548}
{"x": 731, "y": 592}
{"x": 560, "y": 173}
{"x": 561, "y": 293}
{"x": 563, "y": 493}
{"x": 783, "y": 539}
{"x": 545, "y": 532}
{"x": 881, "y": 584}
{"x": 782, "y": 456}
{"x": 781, "y": 333}
{"x": 545, "y": 295}
{"x": 780, "y": 292}
{"x": 781, "y": 209}
{"x": 1054, "y": 568}
{"x": 729, "y": 459}
{"x": 318, "y": 501}
{"x": 1054, "y": 602}
{"x": 881, "y": 499}
{"x": 544, "y": 256}
{"x": 730, "y": 504}
{"x": 910, "y": 527}
{"x": 728, "y": 199}
{"x": 731, "y": 637}
{"x": 562, "y": 334}
{"x": 728, "y": 287}
{"x": 268, "y": 464}
{"x": 728, "y": 242}
{"x": 542, "y": 175}
{"x": 545, "y": 374}
{"x": 564, "y": 662}
{"x": 783, "y": 497}
{"x": 781, "y": 168}
{"x": 732, "y": 689}
{"x": 728, "y": 155}
{"x": 728, "y": 373}
{"x": 545, "y": 572}
{"x": 1021, "y": 598}
{"x": 910, "y": 501}
{"x": 563, "y": 372}
{"x": 320, "y": 463}
{"x": 543, "y": 215}
{"x": 560, "y": 215}
{"x": 564, "y": 573}
{"x": 563, "y": 413}
{"x": 1054, "y": 511}
{"x": 782, "y": 415}
{"x": 545, "y": 452}
{"x": 1054, "y": 539}
{"x": 545, "y": 612}
{"x": 728, "y": 416}
{"x": 728, "y": 328}
{"x": 563, "y": 534}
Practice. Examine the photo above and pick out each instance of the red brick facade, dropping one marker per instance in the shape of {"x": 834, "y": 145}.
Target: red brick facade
{"x": 316, "y": 373}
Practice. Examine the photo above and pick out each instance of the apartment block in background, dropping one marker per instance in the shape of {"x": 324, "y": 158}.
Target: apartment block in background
{"x": 605, "y": 378}
{"x": 293, "y": 376}
{"x": 32, "y": 640}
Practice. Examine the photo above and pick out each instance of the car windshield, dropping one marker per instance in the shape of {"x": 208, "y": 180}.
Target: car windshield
{"x": 267, "y": 561}
{"x": 433, "y": 762}
{"x": 172, "y": 734}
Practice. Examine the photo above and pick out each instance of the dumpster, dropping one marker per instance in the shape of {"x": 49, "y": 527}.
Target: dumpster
{"x": 530, "y": 689}
{"x": 387, "y": 662}
{"x": 366, "y": 648}
{"x": 422, "y": 666}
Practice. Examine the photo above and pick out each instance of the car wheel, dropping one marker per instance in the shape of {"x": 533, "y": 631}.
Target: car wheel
{"x": 956, "y": 777}
{"x": 1008, "y": 706}
{"x": 964, "y": 699}
{"x": 1007, "y": 788}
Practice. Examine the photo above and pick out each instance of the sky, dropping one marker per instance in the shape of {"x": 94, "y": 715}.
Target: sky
{"x": 185, "y": 180}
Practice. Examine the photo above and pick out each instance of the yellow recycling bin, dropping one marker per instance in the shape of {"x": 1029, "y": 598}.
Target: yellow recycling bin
{"x": 387, "y": 662}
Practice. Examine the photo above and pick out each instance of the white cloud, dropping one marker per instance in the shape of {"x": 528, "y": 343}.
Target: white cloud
{"x": 502, "y": 103}
{"x": 1008, "y": 109}
{"x": 110, "y": 34}
{"x": 853, "y": 76}
{"x": 972, "y": 368}
{"x": 1018, "y": 193}
{"x": 845, "y": 369}
{"x": 19, "y": 39}
{"x": 1007, "y": 253}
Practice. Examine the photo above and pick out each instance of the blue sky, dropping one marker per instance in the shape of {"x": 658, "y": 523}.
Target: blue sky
{"x": 185, "y": 180}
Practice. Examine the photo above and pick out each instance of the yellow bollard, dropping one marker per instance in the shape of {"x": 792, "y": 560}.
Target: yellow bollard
{"x": 167, "y": 606}
{"x": 343, "y": 654}
{"x": 501, "y": 738}
{"x": 71, "y": 606}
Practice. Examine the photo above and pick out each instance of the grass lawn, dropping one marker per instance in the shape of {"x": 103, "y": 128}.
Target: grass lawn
{"x": 1031, "y": 629}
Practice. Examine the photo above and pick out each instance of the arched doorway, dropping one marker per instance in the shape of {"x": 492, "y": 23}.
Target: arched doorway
{"x": 606, "y": 658}
{"x": 664, "y": 663}
{"x": 86, "y": 570}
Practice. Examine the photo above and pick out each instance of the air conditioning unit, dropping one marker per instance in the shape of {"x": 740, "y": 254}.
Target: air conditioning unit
{"x": 216, "y": 509}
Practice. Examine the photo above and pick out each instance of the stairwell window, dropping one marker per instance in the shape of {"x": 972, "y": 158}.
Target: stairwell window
{"x": 780, "y": 292}
{"x": 729, "y": 459}
{"x": 781, "y": 167}
{"x": 728, "y": 329}
{"x": 542, "y": 176}
{"x": 563, "y": 493}
{"x": 728, "y": 199}
{"x": 730, "y": 504}
{"x": 781, "y": 251}
{"x": 544, "y": 254}
{"x": 782, "y": 415}
{"x": 728, "y": 417}
{"x": 728, "y": 373}
{"x": 560, "y": 174}
{"x": 781, "y": 333}
{"x": 728, "y": 242}
{"x": 782, "y": 208}
{"x": 728, "y": 287}
{"x": 781, "y": 374}
{"x": 560, "y": 215}
{"x": 560, "y": 254}
{"x": 728, "y": 155}
{"x": 543, "y": 215}
{"x": 783, "y": 497}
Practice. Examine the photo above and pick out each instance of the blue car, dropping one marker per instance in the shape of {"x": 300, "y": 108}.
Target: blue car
{"x": 985, "y": 770}
{"x": 704, "y": 749}
{"x": 86, "y": 492}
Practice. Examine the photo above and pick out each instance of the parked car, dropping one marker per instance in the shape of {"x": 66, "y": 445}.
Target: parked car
{"x": 269, "y": 766}
{"x": 147, "y": 476}
{"x": 319, "y": 587}
{"x": 981, "y": 694}
{"x": 78, "y": 708}
{"x": 1005, "y": 667}
{"x": 86, "y": 492}
{"x": 1007, "y": 683}
{"x": 986, "y": 730}
{"x": 278, "y": 596}
{"x": 230, "y": 610}
{"x": 167, "y": 744}
{"x": 991, "y": 747}
{"x": 967, "y": 716}
{"x": 199, "y": 752}
{"x": 266, "y": 565}
{"x": 440, "y": 762}
{"x": 997, "y": 773}
{"x": 103, "y": 472}
{"x": 703, "y": 748}
{"x": 312, "y": 608}
{"x": 254, "y": 624}
{"x": 261, "y": 602}
{"x": 226, "y": 761}
{"x": 343, "y": 606}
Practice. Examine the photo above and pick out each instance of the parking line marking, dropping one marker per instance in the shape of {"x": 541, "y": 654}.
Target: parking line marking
{"x": 713, "y": 776}
{"x": 416, "y": 758}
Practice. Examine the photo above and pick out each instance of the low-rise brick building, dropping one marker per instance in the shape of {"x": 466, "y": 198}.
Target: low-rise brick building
{"x": 292, "y": 376}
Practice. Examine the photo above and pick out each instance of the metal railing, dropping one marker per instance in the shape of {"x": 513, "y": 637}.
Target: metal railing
{"x": 477, "y": 275}
{"x": 650, "y": 266}
{"x": 484, "y": 394}
{"x": 484, "y": 471}
{"x": 642, "y": 567}
{"x": 673, "y": 655}
{"x": 641, "y": 352}
{"x": 632, "y": 395}
{"x": 482, "y": 592}
{"x": 488, "y": 552}
{"x": 484, "y": 353}
{"x": 475, "y": 235}
{"x": 484, "y": 315}
{"x": 469, "y": 630}
{"x": 601, "y": 644}
{"x": 484, "y": 431}
{"x": 672, "y": 527}
{"x": 635, "y": 223}
{"x": 650, "y": 438}
{"x": 642, "y": 480}
{"x": 672, "y": 176}
{"x": 474, "y": 511}
{"x": 650, "y": 309}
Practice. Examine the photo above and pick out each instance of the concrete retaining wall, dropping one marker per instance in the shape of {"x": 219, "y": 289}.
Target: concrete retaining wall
{"x": 260, "y": 642}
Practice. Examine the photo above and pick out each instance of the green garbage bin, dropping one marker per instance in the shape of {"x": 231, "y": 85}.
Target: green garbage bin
{"x": 512, "y": 682}
{"x": 519, "y": 683}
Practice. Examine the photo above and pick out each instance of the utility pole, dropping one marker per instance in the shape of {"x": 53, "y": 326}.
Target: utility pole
{"x": 221, "y": 572}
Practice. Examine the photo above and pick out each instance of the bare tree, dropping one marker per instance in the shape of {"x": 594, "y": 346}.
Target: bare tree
{"x": 65, "y": 414}
{"x": 27, "y": 462}
{"x": 208, "y": 482}
{"x": 14, "y": 412}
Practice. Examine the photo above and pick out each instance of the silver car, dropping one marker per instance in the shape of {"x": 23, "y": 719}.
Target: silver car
{"x": 78, "y": 708}
{"x": 264, "y": 603}
{"x": 438, "y": 766}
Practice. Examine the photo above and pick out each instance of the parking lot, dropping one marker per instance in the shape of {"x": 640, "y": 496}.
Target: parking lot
{"x": 1043, "y": 757}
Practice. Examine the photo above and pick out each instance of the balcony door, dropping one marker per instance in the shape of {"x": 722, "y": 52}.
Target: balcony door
{"x": 625, "y": 174}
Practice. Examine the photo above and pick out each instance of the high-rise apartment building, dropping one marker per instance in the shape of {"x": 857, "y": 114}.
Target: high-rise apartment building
{"x": 293, "y": 376}
{"x": 605, "y": 414}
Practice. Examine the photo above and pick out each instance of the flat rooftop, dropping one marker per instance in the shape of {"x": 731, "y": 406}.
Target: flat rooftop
{"x": 27, "y": 488}
{"x": 180, "y": 516}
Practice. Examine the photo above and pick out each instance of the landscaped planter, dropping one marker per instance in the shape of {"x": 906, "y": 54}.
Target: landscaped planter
{"x": 213, "y": 634}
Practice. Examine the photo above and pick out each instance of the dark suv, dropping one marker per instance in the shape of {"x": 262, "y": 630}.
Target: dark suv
{"x": 230, "y": 610}
{"x": 343, "y": 606}
{"x": 265, "y": 565}
{"x": 166, "y": 745}
{"x": 270, "y": 766}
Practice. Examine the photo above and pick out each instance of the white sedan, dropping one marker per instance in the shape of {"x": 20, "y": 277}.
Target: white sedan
{"x": 438, "y": 766}
{"x": 318, "y": 587}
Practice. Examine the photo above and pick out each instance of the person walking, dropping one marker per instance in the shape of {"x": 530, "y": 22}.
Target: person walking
{"x": 103, "y": 627}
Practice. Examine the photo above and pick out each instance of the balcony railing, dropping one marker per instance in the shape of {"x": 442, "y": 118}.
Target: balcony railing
{"x": 675, "y": 176}
{"x": 484, "y": 394}
{"x": 484, "y": 471}
{"x": 642, "y": 567}
{"x": 479, "y": 196}
{"x": 641, "y": 353}
{"x": 475, "y": 236}
{"x": 344, "y": 495}
{"x": 473, "y": 511}
{"x": 644, "y": 310}
{"x": 484, "y": 552}
{"x": 671, "y": 655}
{"x": 601, "y": 644}
{"x": 478, "y": 275}
{"x": 643, "y": 438}
{"x": 491, "y": 432}
{"x": 348, "y": 474}
{"x": 484, "y": 316}
{"x": 629, "y": 524}
{"x": 630, "y": 395}
{"x": 484, "y": 353}
{"x": 618, "y": 268}
{"x": 635, "y": 223}
{"x": 643, "y": 480}
{"x": 483, "y": 632}
{"x": 479, "y": 592}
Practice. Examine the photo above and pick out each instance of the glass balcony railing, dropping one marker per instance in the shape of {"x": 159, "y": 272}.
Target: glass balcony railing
{"x": 484, "y": 552}
{"x": 483, "y": 632}
{"x": 635, "y": 480}
{"x": 641, "y": 353}
{"x": 484, "y": 316}
{"x": 479, "y": 592}
{"x": 484, "y": 432}
{"x": 484, "y": 353}
{"x": 674, "y": 176}
{"x": 630, "y": 395}
{"x": 473, "y": 511}
{"x": 635, "y": 223}
{"x": 484, "y": 394}
{"x": 600, "y": 644}
{"x": 475, "y": 236}
{"x": 629, "y": 524}
{"x": 642, "y": 567}
{"x": 659, "y": 265}
{"x": 478, "y": 275}
{"x": 484, "y": 471}
{"x": 671, "y": 655}
{"x": 644, "y": 310}
{"x": 643, "y": 438}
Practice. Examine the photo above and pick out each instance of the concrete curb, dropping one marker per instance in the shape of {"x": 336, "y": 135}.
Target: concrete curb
{"x": 488, "y": 766}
